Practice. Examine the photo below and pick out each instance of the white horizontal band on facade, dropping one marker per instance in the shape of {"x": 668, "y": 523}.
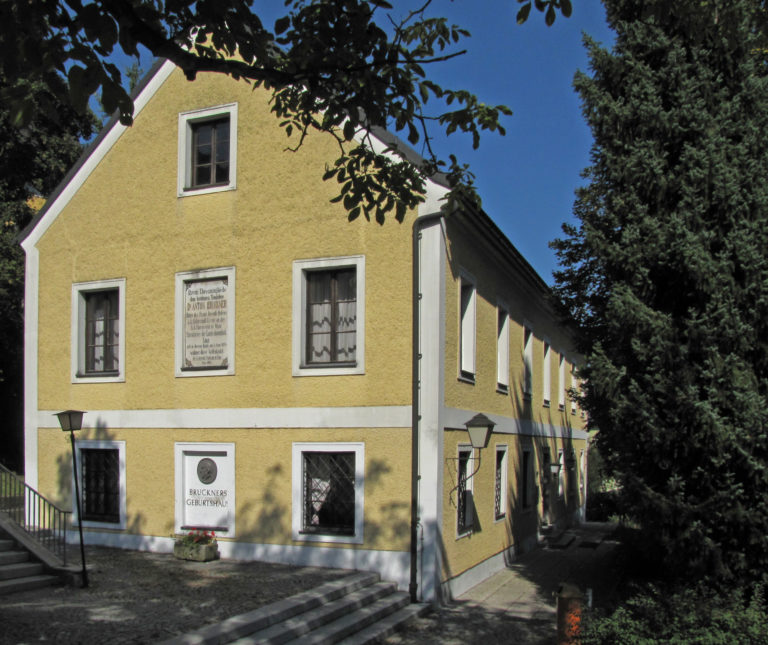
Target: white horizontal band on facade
{"x": 393, "y": 566}
{"x": 393, "y": 416}
{"x": 457, "y": 418}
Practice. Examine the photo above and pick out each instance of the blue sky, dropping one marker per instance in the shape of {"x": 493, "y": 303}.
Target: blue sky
{"x": 527, "y": 178}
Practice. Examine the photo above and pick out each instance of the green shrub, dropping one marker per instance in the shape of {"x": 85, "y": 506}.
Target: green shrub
{"x": 603, "y": 505}
{"x": 676, "y": 617}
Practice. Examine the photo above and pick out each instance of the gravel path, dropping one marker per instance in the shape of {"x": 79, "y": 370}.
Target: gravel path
{"x": 138, "y": 597}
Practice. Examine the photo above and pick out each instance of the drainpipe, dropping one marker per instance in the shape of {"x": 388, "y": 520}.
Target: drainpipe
{"x": 415, "y": 409}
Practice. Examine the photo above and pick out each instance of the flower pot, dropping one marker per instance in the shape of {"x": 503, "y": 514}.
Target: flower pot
{"x": 196, "y": 552}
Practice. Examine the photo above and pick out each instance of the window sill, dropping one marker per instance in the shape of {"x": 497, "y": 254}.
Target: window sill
{"x": 329, "y": 538}
{"x": 500, "y": 518}
{"x": 465, "y": 377}
{"x": 337, "y": 369}
{"x": 102, "y": 377}
{"x": 467, "y": 533}
{"x": 545, "y": 403}
{"x": 206, "y": 190}
{"x": 502, "y": 389}
{"x": 561, "y": 407}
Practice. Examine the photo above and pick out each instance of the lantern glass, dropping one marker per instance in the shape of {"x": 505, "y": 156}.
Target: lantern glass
{"x": 70, "y": 420}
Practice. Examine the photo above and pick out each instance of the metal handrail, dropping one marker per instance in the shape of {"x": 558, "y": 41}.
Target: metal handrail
{"x": 40, "y": 518}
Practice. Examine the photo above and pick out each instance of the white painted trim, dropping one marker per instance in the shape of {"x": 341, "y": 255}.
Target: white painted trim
{"x": 561, "y": 381}
{"x": 95, "y": 158}
{"x": 504, "y": 498}
{"x": 546, "y": 372}
{"x": 89, "y": 444}
{"x": 204, "y": 274}
{"x": 502, "y": 346}
{"x": 77, "y": 335}
{"x": 297, "y": 491}
{"x": 31, "y": 415}
{"x": 186, "y": 120}
{"x": 229, "y": 480}
{"x": 456, "y": 418}
{"x": 465, "y": 448}
{"x": 395, "y": 416}
{"x": 32, "y": 274}
{"x": 527, "y": 375}
{"x": 431, "y": 289}
{"x": 299, "y": 314}
{"x": 391, "y": 565}
{"x": 467, "y": 327}
{"x": 460, "y": 584}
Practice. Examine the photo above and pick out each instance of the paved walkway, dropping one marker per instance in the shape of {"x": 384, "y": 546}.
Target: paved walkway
{"x": 518, "y": 604}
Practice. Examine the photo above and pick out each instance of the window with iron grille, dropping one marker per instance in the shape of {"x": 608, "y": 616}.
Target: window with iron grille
{"x": 102, "y": 332}
{"x": 100, "y": 489}
{"x": 500, "y": 501}
{"x": 328, "y": 480}
{"x": 210, "y": 153}
{"x": 526, "y": 474}
{"x": 464, "y": 514}
{"x": 331, "y": 317}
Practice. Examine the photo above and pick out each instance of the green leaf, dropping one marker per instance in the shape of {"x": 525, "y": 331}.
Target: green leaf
{"x": 523, "y": 14}
{"x": 549, "y": 18}
{"x": 566, "y": 8}
{"x": 349, "y": 130}
{"x": 281, "y": 24}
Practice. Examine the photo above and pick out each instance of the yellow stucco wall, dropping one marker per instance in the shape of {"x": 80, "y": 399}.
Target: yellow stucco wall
{"x": 127, "y": 222}
{"x": 490, "y": 536}
{"x": 262, "y": 479}
{"x": 494, "y": 283}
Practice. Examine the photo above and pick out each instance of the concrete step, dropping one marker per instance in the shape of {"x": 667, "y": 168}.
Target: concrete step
{"x": 6, "y": 545}
{"x": 20, "y": 570}
{"x": 11, "y": 557}
{"x": 354, "y": 622}
{"x": 386, "y": 626}
{"x": 299, "y": 626}
{"x": 23, "y": 584}
{"x": 263, "y": 617}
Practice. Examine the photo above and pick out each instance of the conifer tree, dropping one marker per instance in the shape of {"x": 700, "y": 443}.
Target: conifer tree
{"x": 666, "y": 276}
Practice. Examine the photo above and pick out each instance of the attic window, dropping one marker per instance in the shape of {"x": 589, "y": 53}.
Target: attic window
{"x": 207, "y": 150}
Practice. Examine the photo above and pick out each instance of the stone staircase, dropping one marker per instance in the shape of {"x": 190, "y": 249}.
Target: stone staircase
{"x": 353, "y": 610}
{"x": 18, "y": 570}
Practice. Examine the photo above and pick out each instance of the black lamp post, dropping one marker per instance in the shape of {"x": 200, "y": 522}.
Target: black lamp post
{"x": 70, "y": 421}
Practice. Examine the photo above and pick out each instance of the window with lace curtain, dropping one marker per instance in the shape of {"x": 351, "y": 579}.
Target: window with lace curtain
{"x": 329, "y": 316}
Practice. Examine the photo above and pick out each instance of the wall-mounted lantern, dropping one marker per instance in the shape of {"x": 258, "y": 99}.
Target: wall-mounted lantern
{"x": 479, "y": 428}
{"x": 71, "y": 421}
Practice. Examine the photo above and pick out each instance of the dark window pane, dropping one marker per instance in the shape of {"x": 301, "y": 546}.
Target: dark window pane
{"x": 329, "y": 492}
{"x": 100, "y": 485}
{"x": 210, "y": 153}
{"x": 102, "y": 322}
{"x": 331, "y": 316}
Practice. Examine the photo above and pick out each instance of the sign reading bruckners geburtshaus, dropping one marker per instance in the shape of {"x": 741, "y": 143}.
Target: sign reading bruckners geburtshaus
{"x": 205, "y": 323}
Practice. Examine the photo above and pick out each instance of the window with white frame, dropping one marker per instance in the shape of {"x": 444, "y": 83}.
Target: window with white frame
{"x": 546, "y": 374}
{"x": 101, "y": 470}
{"x": 207, "y": 150}
{"x": 526, "y": 479}
{"x": 500, "y": 497}
{"x": 561, "y": 474}
{"x": 205, "y": 322}
{"x": 98, "y": 331}
{"x": 329, "y": 316}
{"x": 527, "y": 362}
{"x": 502, "y": 349}
{"x": 328, "y": 492}
{"x": 465, "y": 512}
{"x": 467, "y": 318}
{"x": 574, "y": 388}
{"x": 561, "y": 383}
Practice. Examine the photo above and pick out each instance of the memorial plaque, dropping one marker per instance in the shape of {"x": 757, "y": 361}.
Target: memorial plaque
{"x": 205, "y": 487}
{"x": 205, "y": 324}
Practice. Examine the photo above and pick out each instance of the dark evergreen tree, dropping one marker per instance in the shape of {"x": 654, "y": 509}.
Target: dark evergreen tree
{"x": 33, "y": 159}
{"x": 666, "y": 276}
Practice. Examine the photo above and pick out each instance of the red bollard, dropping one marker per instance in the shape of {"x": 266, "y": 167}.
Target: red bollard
{"x": 569, "y": 605}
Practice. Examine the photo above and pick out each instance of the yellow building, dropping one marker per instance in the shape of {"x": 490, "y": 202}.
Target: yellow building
{"x": 252, "y": 362}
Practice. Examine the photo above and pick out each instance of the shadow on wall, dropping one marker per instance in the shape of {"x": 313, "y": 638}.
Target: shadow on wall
{"x": 135, "y": 522}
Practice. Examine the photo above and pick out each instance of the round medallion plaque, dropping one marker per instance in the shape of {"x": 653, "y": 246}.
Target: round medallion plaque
{"x": 207, "y": 471}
